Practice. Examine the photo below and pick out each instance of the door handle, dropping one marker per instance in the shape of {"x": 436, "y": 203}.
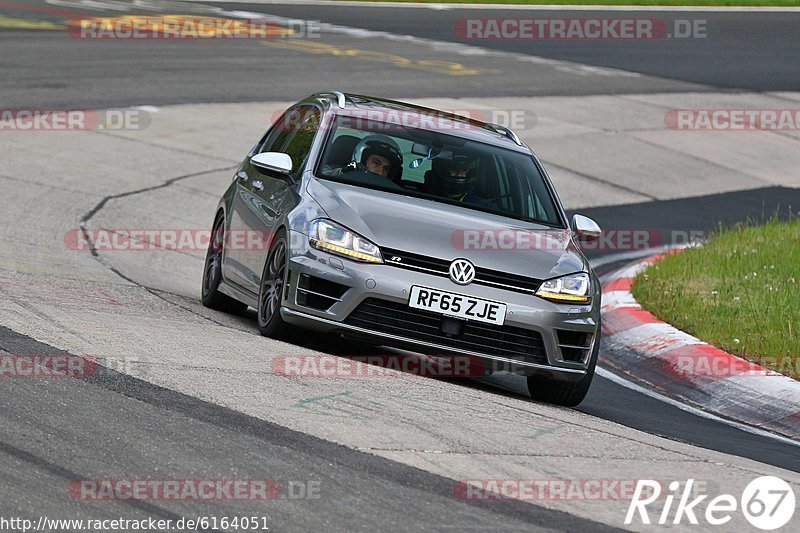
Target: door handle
{"x": 242, "y": 176}
{"x": 257, "y": 185}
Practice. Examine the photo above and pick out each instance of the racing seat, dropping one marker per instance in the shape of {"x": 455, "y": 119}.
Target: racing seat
{"x": 341, "y": 151}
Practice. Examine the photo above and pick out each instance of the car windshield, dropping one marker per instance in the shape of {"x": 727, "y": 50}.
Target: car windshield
{"x": 437, "y": 166}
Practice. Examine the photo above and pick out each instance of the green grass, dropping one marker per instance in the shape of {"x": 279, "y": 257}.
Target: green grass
{"x": 619, "y": 2}
{"x": 739, "y": 292}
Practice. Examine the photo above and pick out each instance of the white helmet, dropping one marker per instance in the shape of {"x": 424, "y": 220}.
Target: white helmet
{"x": 380, "y": 145}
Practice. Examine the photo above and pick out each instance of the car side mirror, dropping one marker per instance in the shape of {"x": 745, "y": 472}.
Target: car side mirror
{"x": 586, "y": 228}
{"x": 273, "y": 163}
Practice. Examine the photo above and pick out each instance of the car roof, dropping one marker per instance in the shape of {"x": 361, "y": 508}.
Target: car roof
{"x": 393, "y": 111}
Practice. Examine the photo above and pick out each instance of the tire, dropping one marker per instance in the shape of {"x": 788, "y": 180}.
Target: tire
{"x": 270, "y": 294}
{"x": 212, "y": 273}
{"x": 561, "y": 393}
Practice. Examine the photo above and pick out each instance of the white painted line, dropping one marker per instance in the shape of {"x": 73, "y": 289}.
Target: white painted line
{"x": 627, "y": 256}
{"x": 614, "y": 378}
{"x": 637, "y": 254}
{"x": 653, "y": 338}
{"x": 516, "y": 7}
{"x": 616, "y": 299}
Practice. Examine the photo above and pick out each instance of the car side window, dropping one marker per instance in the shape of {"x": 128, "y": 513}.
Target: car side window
{"x": 299, "y": 143}
{"x": 284, "y": 127}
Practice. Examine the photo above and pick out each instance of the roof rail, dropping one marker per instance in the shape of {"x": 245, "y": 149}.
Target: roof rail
{"x": 508, "y": 133}
{"x": 340, "y": 100}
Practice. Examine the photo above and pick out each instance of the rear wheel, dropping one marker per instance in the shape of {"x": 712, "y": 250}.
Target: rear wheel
{"x": 561, "y": 393}
{"x": 212, "y": 273}
{"x": 270, "y": 322}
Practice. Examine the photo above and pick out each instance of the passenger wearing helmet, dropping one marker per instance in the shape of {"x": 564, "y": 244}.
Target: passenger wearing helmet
{"x": 379, "y": 154}
{"x": 376, "y": 154}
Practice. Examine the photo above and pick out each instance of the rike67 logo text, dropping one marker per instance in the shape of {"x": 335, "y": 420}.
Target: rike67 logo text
{"x": 767, "y": 502}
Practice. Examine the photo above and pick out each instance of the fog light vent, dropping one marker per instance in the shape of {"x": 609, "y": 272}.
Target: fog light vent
{"x": 574, "y": 345}
{"x": 318, "y": 293}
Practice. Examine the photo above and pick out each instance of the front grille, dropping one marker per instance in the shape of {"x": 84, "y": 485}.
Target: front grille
{"x": 441, "y": 267}
{"x": 395, "y": 318}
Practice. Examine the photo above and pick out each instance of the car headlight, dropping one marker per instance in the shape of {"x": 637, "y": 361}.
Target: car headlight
{"x": 331, "y": 237}
{"x": 573, "y": 288}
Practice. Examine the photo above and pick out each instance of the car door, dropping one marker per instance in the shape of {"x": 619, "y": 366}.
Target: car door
{"x": 261, "y": 198}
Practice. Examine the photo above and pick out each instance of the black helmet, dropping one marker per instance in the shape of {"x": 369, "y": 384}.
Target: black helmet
{"x": 454, "y": 176}
{"x": 381, "y": 145}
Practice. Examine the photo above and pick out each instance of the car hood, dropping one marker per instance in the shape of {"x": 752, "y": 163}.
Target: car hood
{"x": 443, "y": 231}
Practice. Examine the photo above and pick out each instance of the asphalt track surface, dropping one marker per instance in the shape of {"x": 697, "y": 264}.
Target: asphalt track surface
{"x": 742, "y": 51}
{"x": 762, "y": 47}
{"x": 161, "y": 434}
{"x": 127, "y": 424}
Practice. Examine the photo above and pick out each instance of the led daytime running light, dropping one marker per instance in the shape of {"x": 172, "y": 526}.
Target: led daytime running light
{"x": 345, "y": 251}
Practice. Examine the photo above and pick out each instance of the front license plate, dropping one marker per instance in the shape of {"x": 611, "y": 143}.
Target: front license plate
{"x": 457, "y": 305}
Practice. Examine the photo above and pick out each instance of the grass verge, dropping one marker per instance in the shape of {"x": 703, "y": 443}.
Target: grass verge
{"x": 739, "y": 292}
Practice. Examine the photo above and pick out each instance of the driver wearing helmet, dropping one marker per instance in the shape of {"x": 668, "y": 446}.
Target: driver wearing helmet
{"x": 452, "y": 177}
{"x": 376, "y": 154}
{"x": 455, "y": 178}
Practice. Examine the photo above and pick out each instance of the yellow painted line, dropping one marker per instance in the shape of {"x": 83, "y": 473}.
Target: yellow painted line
{"x": 429, "y": 65}
{"x": 26, "y": 24}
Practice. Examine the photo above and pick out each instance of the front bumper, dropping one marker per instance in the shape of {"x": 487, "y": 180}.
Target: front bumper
{"x": 393, "y": 284}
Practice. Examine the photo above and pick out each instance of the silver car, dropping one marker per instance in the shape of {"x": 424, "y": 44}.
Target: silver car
{"x": 409, "y": 228}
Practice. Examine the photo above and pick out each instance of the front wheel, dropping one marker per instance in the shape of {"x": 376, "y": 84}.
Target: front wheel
{"x": 561, "y": 393}
{"x": 273, "y": 280}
